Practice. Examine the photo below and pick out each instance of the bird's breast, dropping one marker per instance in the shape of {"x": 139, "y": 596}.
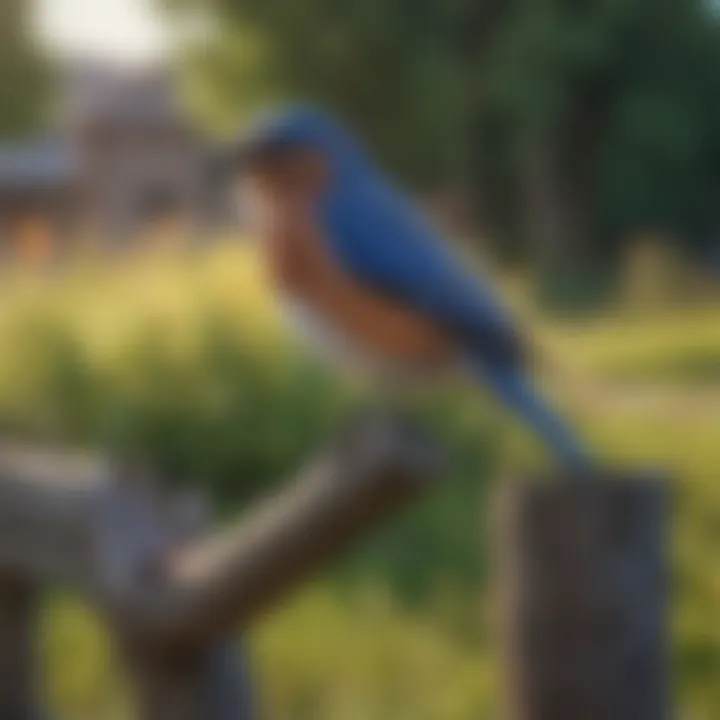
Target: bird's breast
{"x": 331, "y": 342}
{"x": 322, "y": 334}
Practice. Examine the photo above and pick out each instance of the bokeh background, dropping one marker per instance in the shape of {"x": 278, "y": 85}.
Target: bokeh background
{"x": 571, "y": 147}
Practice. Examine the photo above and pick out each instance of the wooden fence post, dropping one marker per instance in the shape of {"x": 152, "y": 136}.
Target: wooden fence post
{"x": 200, "y": 681}
{"x": 173, "y": 593}
{"x": 18, "y": 664}
{"x": 584, "y": 591}
{"x": 173, "y": 625}
{"x": 192, "y": 683}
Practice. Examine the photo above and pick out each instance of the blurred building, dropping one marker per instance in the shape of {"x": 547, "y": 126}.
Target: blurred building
{"x": 123, "y": 157}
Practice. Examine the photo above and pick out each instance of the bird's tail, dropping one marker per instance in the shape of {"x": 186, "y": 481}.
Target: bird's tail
{"x": 516, "y": 390}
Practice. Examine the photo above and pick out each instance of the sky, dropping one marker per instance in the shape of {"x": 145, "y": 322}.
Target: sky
{"x": 126, "y": 31}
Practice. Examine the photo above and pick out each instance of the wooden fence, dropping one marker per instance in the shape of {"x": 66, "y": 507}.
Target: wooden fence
{"x": 583, "y": 579}
{"x": 170, "y": 592}
{"x": 582, "y": 576}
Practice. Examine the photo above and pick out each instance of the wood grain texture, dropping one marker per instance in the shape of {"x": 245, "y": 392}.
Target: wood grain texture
{"x": 585, "y": 591}
{"x": 171, "y": 589}
{"x": 19, "y": 687}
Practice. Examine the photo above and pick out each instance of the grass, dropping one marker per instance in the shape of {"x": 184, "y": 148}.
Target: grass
{"x": 184, "y": 361}
{"x": 679, "y": 347}
{"x": 328, "y": 654}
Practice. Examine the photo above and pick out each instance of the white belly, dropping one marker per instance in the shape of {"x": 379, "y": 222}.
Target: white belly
{"x": 325, "y": 338}
{"x": 331, "y": 342}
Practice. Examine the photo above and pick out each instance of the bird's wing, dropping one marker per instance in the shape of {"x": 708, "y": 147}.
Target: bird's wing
{"x": 399, "y": 256}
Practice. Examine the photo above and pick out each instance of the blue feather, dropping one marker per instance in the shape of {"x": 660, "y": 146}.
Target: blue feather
{"x": 382, "y": 240}
{"x": 517, "y": 392}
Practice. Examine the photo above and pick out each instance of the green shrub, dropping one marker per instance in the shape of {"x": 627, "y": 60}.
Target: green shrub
{"x": 182, "y": 364}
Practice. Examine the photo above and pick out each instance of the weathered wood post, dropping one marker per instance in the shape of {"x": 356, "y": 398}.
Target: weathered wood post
{"x": 174, "y": 625}
{"x": 171, "y": 595}
{"x": 208, "y": 680}
{"x": 584, "y": 592}
{"x": 19, "y": 697}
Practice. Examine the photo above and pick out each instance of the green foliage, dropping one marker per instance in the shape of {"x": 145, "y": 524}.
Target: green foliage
{"x": 221, "y": 412}
{"x": 621, "y": 95}
{"x": 319, "y": 658}
{"x": 674, "y": 349}
{"x": 575, "y": 291}
{"x": 373, "y": 62}
{"x": 92, "y": 687}
{"x": 181, "y": 361}
{"x": 192, "y": 378}
{"x": 327, "y": 656}
{"x": 660, "y": 168}
{"x": 24, "y": 74}
{"x": 436, "y": 545}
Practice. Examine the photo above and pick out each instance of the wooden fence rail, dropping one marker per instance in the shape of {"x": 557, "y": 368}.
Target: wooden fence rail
{"x": 169, "y": 592}
{"x": 583, "y": 576}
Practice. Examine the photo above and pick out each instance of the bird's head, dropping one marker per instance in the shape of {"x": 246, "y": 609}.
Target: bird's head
{"x": 298, "y": 150}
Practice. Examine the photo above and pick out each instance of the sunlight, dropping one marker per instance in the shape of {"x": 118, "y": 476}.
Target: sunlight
{"x": 127, "y": 31}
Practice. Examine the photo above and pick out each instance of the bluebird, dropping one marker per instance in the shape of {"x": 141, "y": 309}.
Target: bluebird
{"x": 360, "y": 269}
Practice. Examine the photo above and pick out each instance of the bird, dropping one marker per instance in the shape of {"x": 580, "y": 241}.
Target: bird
{"x": 363, "y": 273}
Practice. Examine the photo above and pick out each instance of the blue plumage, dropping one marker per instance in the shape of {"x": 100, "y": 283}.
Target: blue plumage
{"x": 379, "y": 238}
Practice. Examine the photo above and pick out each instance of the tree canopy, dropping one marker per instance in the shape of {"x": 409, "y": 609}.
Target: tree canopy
{"x": 575, "y": 121}
{"x": 24, "y": 74}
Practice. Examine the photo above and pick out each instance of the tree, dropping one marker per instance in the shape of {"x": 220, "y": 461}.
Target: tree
{"x": 573, "y": 119}
{"x": 374, "y": 62}
{"x": 23, "y": 73}
{"x": 604, "y": 104}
